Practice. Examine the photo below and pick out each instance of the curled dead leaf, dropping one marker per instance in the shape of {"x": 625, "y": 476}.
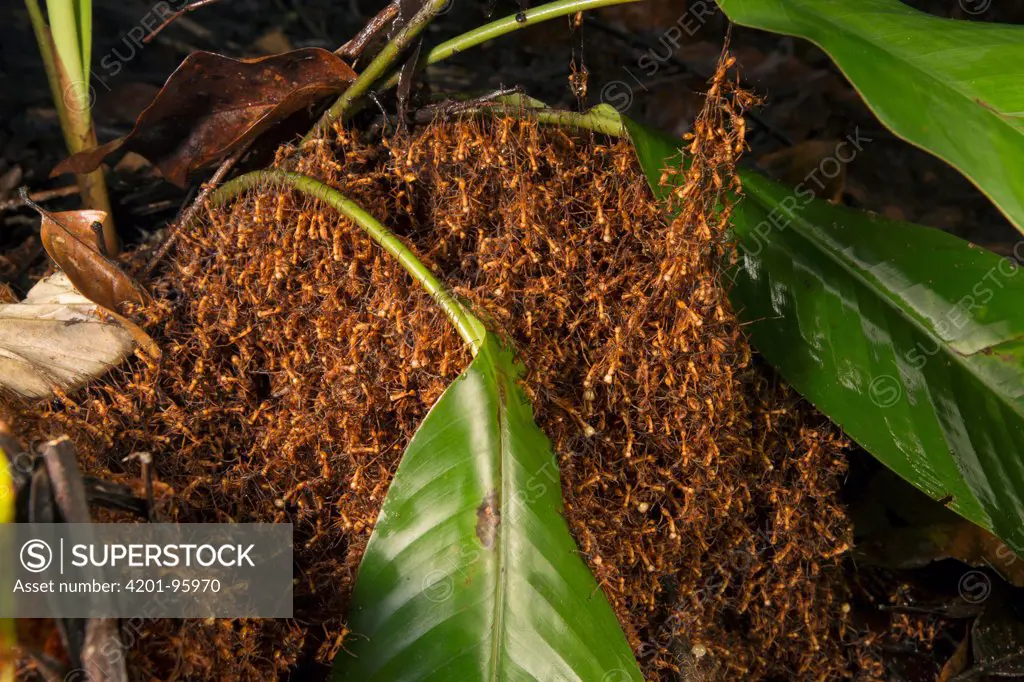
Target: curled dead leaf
{"x": 212, "y": 105}
{"x": 72, "y": 241}
{"x": 57, "y": 337}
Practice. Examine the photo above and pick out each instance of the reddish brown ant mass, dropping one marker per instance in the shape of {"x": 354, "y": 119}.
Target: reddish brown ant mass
{"x": 299, "y": 360}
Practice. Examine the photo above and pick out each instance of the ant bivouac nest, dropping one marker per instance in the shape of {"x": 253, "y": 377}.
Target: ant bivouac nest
{"x": 299, "y": 359}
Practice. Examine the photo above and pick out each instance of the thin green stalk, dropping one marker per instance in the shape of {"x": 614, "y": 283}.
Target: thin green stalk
{"x": 64, "y": 26}
{"x": 45, "y": 41}
{"x": 63, "y": 45}
{"x": 601, "y": 119}
{"x": 72, "y": 78}
{"x": 378, "y": 67}
{"x": 509, "y": 24}
{"x": 469, "y": 327}
{"x": 84, "y": 8}
{"x": 595, "y": 119}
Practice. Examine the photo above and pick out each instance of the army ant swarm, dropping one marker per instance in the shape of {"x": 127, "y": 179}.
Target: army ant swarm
{"x": 299, "y": 359}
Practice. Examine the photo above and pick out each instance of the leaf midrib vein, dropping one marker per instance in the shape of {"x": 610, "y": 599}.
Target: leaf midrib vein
{"x": 501, "y": 548}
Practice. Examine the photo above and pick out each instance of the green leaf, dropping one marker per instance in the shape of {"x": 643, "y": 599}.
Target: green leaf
{"x": 910, "y": 339}
{"x": 471, "y": 573}
{"x": 953, "y": 88}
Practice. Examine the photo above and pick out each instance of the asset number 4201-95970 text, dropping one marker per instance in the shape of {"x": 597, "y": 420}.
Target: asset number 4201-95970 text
{"x": 192, "y": 585}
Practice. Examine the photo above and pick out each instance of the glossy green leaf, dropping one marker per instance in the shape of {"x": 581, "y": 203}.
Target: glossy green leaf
{"x": 910, "y": 339}
{"x": 953, "y": 88}
{"x": 471, "y": 573}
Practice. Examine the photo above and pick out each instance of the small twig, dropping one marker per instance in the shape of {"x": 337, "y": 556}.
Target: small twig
{"x": 193, "y": 209}
{"x": 354, "y": 48}
{"x": 38, "y": 197}
{"x": 453, "y": 107}
{"x": 181, "y": 12}
{"x": 378, "y": 67}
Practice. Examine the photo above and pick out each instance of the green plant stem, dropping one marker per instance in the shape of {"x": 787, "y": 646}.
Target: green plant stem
{"x": 599, "y": 119}
{"x": 603, "y": 118}
{"x": 591, "y": 120}
{"x": 378, "y": 67}
{"x": 506, "y": 25}
{"x": 46, "y": 51}
{"x": 62, "y": 52}
{"x": 64, "y": 27}
{"x": 469, "y": 327}
{"x": 85, "y": 35}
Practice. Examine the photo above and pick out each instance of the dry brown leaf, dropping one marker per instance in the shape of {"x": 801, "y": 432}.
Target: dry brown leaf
{"x": 213, "y": 105}
{"x": 123, "y": 103}
{"x": 56, "y": 337}
{"x": 71, "y": 241}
